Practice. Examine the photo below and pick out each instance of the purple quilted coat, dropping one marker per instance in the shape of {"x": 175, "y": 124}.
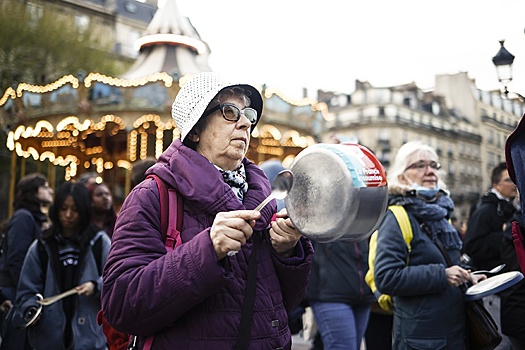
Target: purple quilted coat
{"x": 185, "y": 297}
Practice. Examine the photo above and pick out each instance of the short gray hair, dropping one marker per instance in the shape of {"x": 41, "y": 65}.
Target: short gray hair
{"x": 401, "y": 162}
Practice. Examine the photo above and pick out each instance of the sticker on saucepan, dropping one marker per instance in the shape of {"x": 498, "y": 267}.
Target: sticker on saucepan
{"x": 369, "y": 169}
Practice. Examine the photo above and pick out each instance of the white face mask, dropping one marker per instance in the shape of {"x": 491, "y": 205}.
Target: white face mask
{"x": 423, "y": 192}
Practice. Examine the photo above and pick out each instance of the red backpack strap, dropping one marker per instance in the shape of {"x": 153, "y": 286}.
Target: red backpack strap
{"x": 174, "y": 220}
{"x": 170, "y": 220}
{"x": 519, "y": 243}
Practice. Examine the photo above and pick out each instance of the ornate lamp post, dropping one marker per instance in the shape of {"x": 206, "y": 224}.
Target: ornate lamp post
{"x": 503, "y": 63}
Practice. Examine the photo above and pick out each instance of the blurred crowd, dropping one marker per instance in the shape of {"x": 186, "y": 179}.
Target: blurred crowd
{"x": 78, "y": 272}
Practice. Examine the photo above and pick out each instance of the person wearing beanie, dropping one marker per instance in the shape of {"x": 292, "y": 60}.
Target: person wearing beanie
{"x": 199, "y": 295}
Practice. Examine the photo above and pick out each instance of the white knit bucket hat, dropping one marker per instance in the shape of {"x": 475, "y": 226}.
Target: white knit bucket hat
{"x": 196, "y": 95}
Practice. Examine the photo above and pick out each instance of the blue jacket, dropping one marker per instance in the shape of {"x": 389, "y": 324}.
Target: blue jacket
{"x": 428, "y": 312}
{"x": 185, "y": 297}
{"x": 47, "y": 333}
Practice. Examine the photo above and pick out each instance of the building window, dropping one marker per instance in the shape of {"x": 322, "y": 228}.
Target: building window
{"x": 490, "y": 138}
{"x": 82, "y": 23}
{"x": 384, "y": 135}
{"x": 35, "y": 12}
{"x": 491, "y": 160}
{"x": 436, "y": 110}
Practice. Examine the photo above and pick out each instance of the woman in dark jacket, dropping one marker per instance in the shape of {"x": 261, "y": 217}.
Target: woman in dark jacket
{"x": 192, "y": 297}
{"x": 32, "y": 198}
{"x": 70, "y": 256}
{"x": 429, "y": 308}
{"x": 338, "y": 294}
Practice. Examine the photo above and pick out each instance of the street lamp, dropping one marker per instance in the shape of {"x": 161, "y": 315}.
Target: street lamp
{"x": 503, "y": 62}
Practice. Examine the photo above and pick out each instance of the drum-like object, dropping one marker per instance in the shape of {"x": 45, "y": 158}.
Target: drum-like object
{"x": 493, "y": 285}
{"x": 339, "y": 192}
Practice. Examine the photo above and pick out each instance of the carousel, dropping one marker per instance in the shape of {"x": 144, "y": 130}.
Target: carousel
{"x": 95, "y": 123}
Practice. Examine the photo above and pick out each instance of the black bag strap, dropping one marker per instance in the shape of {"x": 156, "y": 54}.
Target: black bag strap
{"x": 249, "y": 300}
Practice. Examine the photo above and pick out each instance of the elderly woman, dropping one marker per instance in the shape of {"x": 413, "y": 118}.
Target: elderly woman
{"x": 193, "y": 297}
{"x": 429, "y": 308}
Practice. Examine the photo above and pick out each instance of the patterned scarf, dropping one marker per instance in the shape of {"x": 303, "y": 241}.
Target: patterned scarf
{"x": 236, "y": 179}
{"x": 435, "y": 215}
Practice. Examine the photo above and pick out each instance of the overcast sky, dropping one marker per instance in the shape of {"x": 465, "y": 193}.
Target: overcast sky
{"x": 291, "y": 44}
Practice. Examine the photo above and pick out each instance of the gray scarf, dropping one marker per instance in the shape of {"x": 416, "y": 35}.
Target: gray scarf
{"x": 435, "y": 215}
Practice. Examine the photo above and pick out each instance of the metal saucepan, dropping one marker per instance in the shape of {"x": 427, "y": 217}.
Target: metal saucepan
{"x": 339, "y": 192}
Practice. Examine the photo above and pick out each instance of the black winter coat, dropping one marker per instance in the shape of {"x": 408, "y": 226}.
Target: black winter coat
{"x": 485, "y": 231}
{"x": 338, "y": 273}
{"x": 23, "y": 228}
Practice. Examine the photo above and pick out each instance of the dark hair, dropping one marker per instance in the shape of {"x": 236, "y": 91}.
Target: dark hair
{"x": 111, "y": 215}
{"x": 221, "y": 97}
{"x": 496, "y": 173}
{"x": 80, "y": 196}
{"x": 27, "y": 190}
{"x": 139, "y": 168}
{"x": 84, "y": 178}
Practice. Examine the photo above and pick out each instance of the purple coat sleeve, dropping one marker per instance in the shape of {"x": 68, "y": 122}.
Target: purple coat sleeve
{"x": 292, "y": 270}
{"x": 144, "y": 287}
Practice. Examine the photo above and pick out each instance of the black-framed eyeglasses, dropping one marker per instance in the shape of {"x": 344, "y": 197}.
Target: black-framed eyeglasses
{"x": 422, "y": 165}
{"x": 232, "y": 113}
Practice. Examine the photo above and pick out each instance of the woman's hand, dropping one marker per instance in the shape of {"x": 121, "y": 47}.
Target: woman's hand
{"x": 457, "y": 276}
{"x": 474, "y": 279}
{"x": 86, "y": 289}
{"x": 284, "y": 235}
{"x": 230, "y": 230}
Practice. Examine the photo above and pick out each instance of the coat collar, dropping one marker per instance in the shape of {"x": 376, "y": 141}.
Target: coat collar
{"x": 202, "y": 185}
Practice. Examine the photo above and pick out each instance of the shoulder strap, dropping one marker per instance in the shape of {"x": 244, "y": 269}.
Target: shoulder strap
{"x": 170, "y": 220}
{"x": 170, "y": 225}
{"x": 243, "y": 338}
{"x": 406, "y": 229}
{"x": 404, "y": 223}
{"x": 42, "y": 256}
{"x": 96, "y": 243}
{"x": 369, "y": 276}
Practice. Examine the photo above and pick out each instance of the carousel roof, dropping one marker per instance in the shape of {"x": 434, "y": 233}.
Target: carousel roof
{"x": 170, "y": 44}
